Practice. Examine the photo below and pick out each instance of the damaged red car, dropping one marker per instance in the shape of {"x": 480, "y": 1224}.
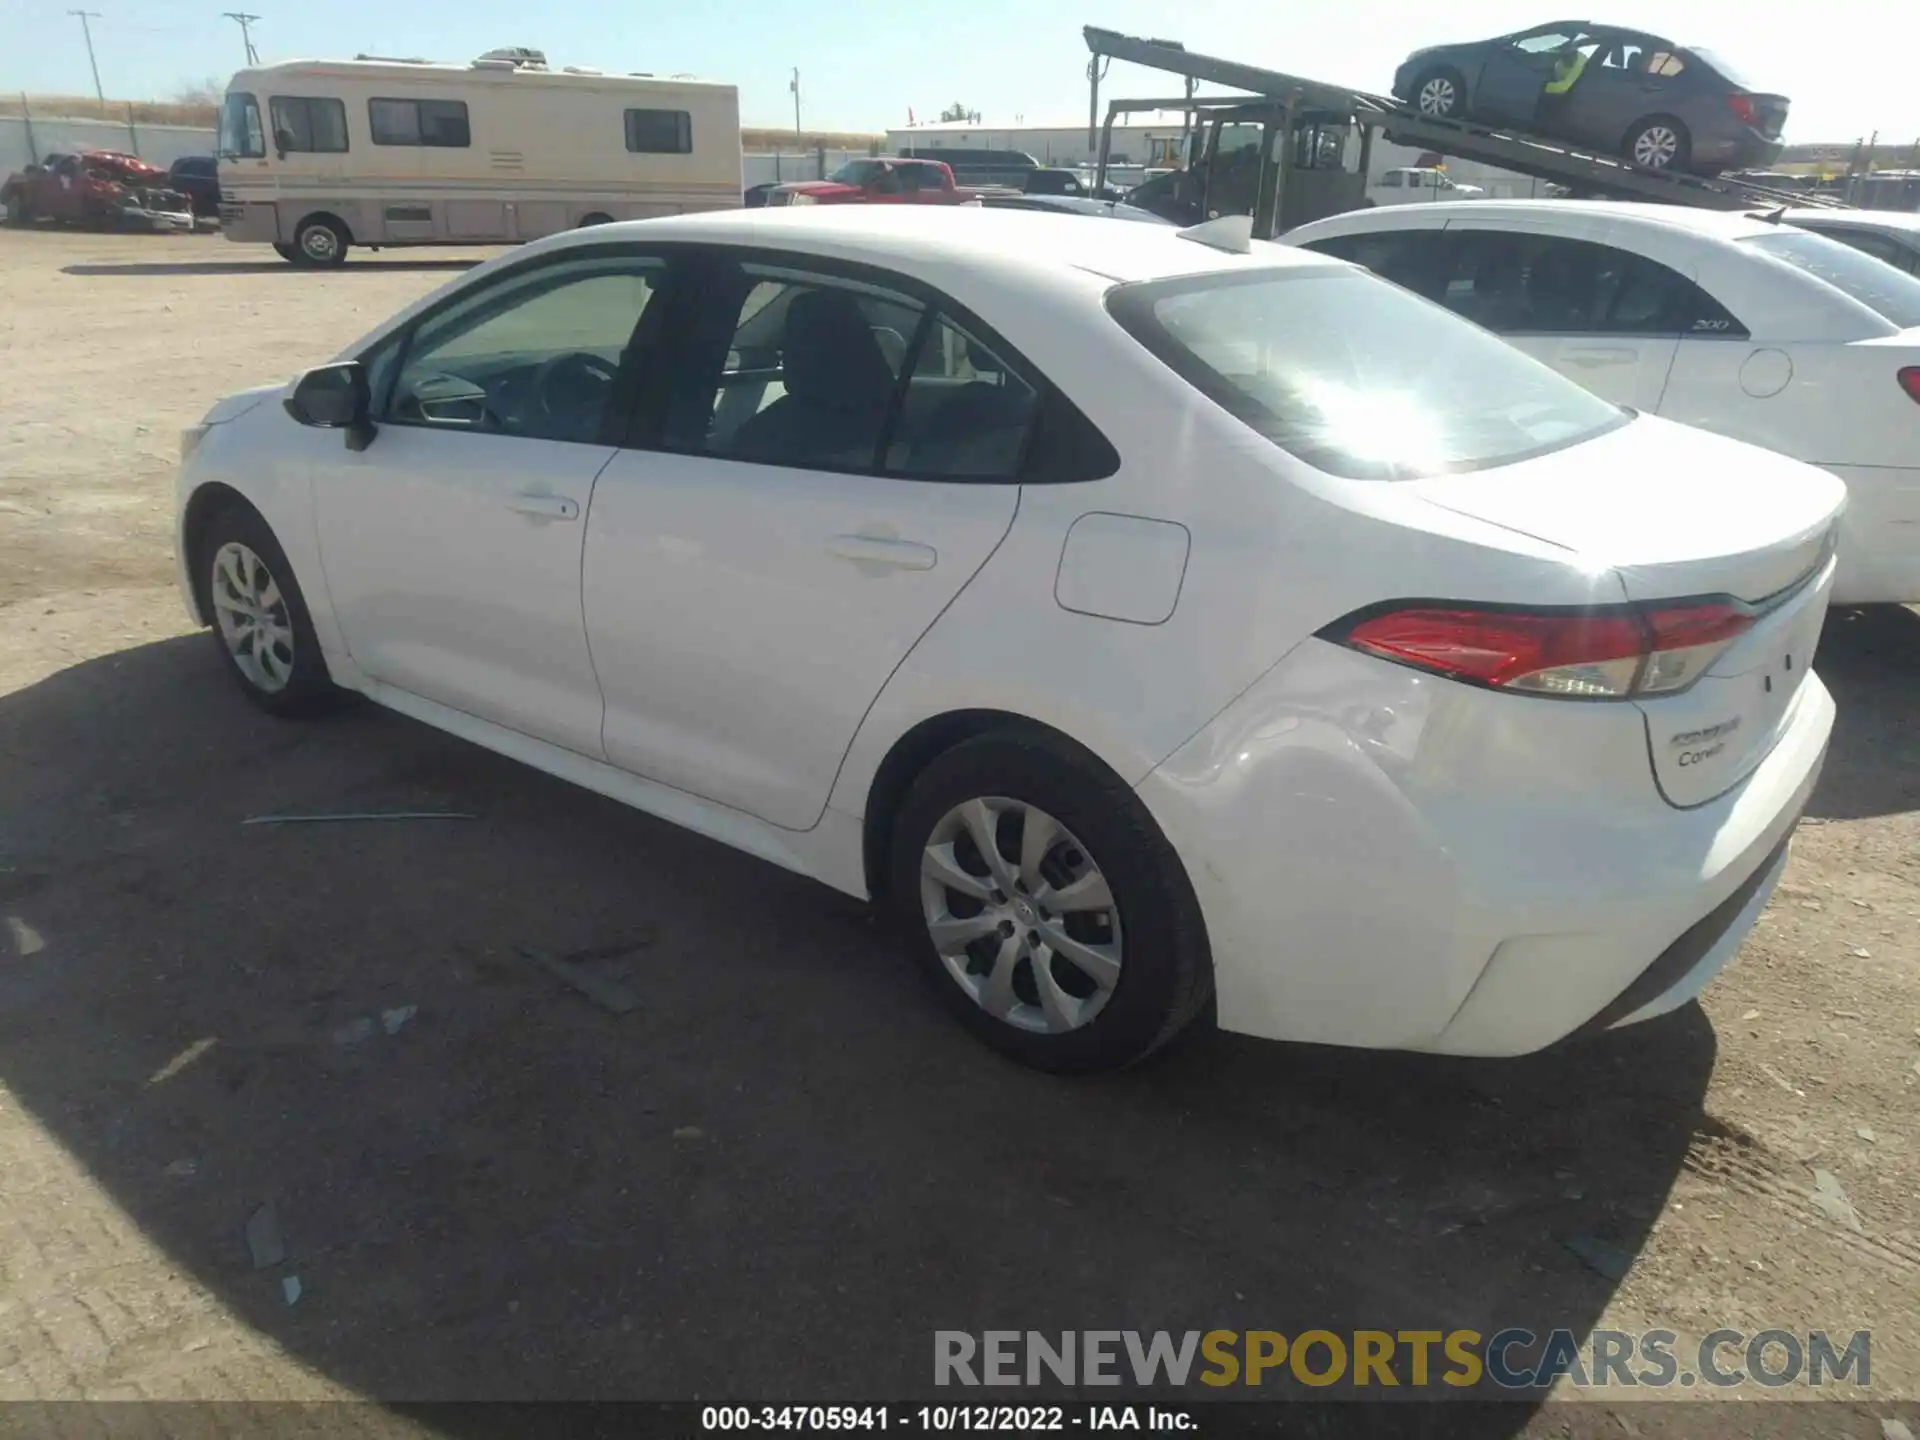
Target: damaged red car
{"x": 99, "y": 189}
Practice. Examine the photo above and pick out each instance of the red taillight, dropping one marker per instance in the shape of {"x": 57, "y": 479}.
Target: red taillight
{"x": 1909, "y": 379}
{"x": 1606, "y": 654}
{"x": 1742, "y": 107}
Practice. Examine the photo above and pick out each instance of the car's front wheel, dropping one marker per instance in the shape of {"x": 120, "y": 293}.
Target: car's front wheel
{"x": 260, "y": 618}
{"x": 1441, "y": 93}
{"x": 1046, "y": 906}
{"x": 320, "y": 242}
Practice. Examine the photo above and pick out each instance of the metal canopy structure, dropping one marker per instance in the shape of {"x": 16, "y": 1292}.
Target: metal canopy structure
{"x": 1543, "y": 159}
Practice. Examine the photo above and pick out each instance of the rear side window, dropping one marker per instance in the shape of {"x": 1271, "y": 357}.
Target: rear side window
{"x": 1874, "y": 283}
{"x": 1517, "y": 283}
{"x": 1357, "y": 378}
{"x": 659, "y": 132}
{"x": 441, "y": 123}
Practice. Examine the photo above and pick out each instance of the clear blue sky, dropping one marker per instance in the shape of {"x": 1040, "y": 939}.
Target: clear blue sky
{"x": 863, "y": 63}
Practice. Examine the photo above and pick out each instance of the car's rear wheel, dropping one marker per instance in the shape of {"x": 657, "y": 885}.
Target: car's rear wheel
{"x": 1441, "y": 93}
{"x": 1659, "y": 143}
{"x": 260, "y": 618}
{"x": 1046, "y": 906}
{"x": 596, "y": 218}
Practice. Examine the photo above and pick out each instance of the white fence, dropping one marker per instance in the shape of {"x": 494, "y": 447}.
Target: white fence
{"x": 156, "y": 144}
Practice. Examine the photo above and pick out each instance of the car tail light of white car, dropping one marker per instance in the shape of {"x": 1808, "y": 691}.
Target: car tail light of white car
{"x": 1909, "y": 379}
{"x": 1607, "y": 654}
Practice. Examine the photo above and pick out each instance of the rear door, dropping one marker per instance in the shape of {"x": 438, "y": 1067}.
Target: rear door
{"x": 1610, "y": 93}
{"x": 1594, "y": 312}
{"x": 833, "y": 458}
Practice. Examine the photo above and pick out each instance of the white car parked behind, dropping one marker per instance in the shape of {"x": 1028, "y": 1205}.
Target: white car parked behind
{"x": 1418, "y": 184}
{"x": 1150, "y": 624}
{"x": 1889, "y": 235}
{"x": 1756, "y": 330}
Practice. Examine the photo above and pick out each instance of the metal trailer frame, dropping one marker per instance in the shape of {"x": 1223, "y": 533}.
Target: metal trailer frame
{"x": 1503, "y": 148}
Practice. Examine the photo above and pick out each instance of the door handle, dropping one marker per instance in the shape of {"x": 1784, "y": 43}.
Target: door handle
{"x": 1588, "y": 359}
{"x": 545, "y": 507}
{"x": 892, "y": 554}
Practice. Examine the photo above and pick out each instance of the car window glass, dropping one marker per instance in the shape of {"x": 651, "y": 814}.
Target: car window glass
{"x": 441, "y": 123}
{"x": 1649, "y": 298}
{"x": 308, "y": 125}
{"x": 1355, "y": 377}
{"x": 1881, "y": 288}
{"x": 240, "y": 135}
{"x": 1415, "y": 259}
{"x": 1543, "y": 44}
{"x": 1393, "y": 180}
{"x": 1664, "y": 66}
{"x": 964, "y": 413}
{"x": 810, "y": 373}
{"x": 532, "y": 355}
{"x": 1868, "y": 243}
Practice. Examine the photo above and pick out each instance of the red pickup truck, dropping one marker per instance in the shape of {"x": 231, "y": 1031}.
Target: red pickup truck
{"x": 877, "y": 182}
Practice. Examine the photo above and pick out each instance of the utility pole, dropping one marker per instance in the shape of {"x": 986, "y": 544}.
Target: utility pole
{"x": 794, "y": 86}
{"x": 246, "y": 35}
{"x": 94, "y": 65}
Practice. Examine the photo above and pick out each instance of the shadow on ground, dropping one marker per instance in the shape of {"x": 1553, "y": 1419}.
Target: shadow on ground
{"x": 775, "y": 1178}
{"x": 1870, "y": 660}
{"x": 254, "y": 267}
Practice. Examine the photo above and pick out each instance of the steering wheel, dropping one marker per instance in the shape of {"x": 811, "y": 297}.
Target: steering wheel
{"x": 570, "y": 390}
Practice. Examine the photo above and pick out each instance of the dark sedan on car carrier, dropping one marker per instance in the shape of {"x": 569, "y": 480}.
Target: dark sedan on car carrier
{"x": 1621, "y": 92}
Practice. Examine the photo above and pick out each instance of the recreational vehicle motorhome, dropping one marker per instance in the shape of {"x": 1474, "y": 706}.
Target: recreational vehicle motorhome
{"x": 317, "y": 156}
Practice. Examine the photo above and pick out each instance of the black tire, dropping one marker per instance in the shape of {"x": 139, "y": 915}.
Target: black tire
{"x": 1675, "y": 161}
{"x": 1166, "y": 974}
{"x": 320, "y": 243}
{"x": 595, "y": 219}
{"x": 307, "y": 689}
{"x": 286, "y": 252}
{"x": 1454, "y": 83}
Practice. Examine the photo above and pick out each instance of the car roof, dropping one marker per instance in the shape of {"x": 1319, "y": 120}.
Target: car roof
{"x": 1871, "y": 219}
{"x": 1721, "y": 224}
{"x": 964, "y": 236}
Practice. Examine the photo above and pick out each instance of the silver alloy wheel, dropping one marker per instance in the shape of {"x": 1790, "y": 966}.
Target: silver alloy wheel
{"x": 1020, "y": 915}
{"x": 320, "y": 243}
{"x": 252, "y": 616}
{"x": 1437, "y": 96}
{"x": 1655, "y": 147}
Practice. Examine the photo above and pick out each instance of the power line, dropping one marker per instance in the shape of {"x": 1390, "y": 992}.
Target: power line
{"x": 92, "y": 64}
{"x": 246, "y": 35}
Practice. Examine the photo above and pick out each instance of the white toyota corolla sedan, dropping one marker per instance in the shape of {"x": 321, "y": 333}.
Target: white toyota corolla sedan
{"x": 1735, "y": 323}
{"x": 1159, "y": 623}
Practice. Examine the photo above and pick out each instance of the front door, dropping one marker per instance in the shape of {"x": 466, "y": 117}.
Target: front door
{"x": 832, "y": 463}
{"x": 1515, "y": 73}
{"x": 452, "y": 544}
{"x": 1597, "y": 314}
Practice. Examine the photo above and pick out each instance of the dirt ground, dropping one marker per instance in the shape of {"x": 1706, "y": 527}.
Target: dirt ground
{"x": 785, "y": 1170}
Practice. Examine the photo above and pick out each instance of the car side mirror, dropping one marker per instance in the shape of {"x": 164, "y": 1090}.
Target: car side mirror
{"x": 335, "y": 397}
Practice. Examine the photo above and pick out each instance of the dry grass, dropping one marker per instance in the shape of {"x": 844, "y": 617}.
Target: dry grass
{"x": 78, "y": 107}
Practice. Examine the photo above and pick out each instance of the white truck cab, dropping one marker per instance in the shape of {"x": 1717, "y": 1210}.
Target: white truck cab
{"x": 1412, "y": 184}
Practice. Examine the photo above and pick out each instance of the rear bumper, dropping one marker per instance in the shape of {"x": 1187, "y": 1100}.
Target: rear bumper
{"x": 1388, "y": 861}
{"x": 1879, "y": 536}
{"x": 1736, "y": 150}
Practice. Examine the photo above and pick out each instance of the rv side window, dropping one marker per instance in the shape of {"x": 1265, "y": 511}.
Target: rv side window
{"x": 419, "y": 122}
{"x": 310, "y": 126}
{"x": 659, "y": 132}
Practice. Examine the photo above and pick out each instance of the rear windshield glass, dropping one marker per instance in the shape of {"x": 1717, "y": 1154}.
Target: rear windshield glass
{"x": 1736, "y": 78}
{"x": 1874, "y": 283}
{"x": 1356, "y": 376}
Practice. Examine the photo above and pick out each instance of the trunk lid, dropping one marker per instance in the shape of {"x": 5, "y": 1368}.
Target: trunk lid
{"x": 1675, "y": 511}
{"x": 1678, "y": 514}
